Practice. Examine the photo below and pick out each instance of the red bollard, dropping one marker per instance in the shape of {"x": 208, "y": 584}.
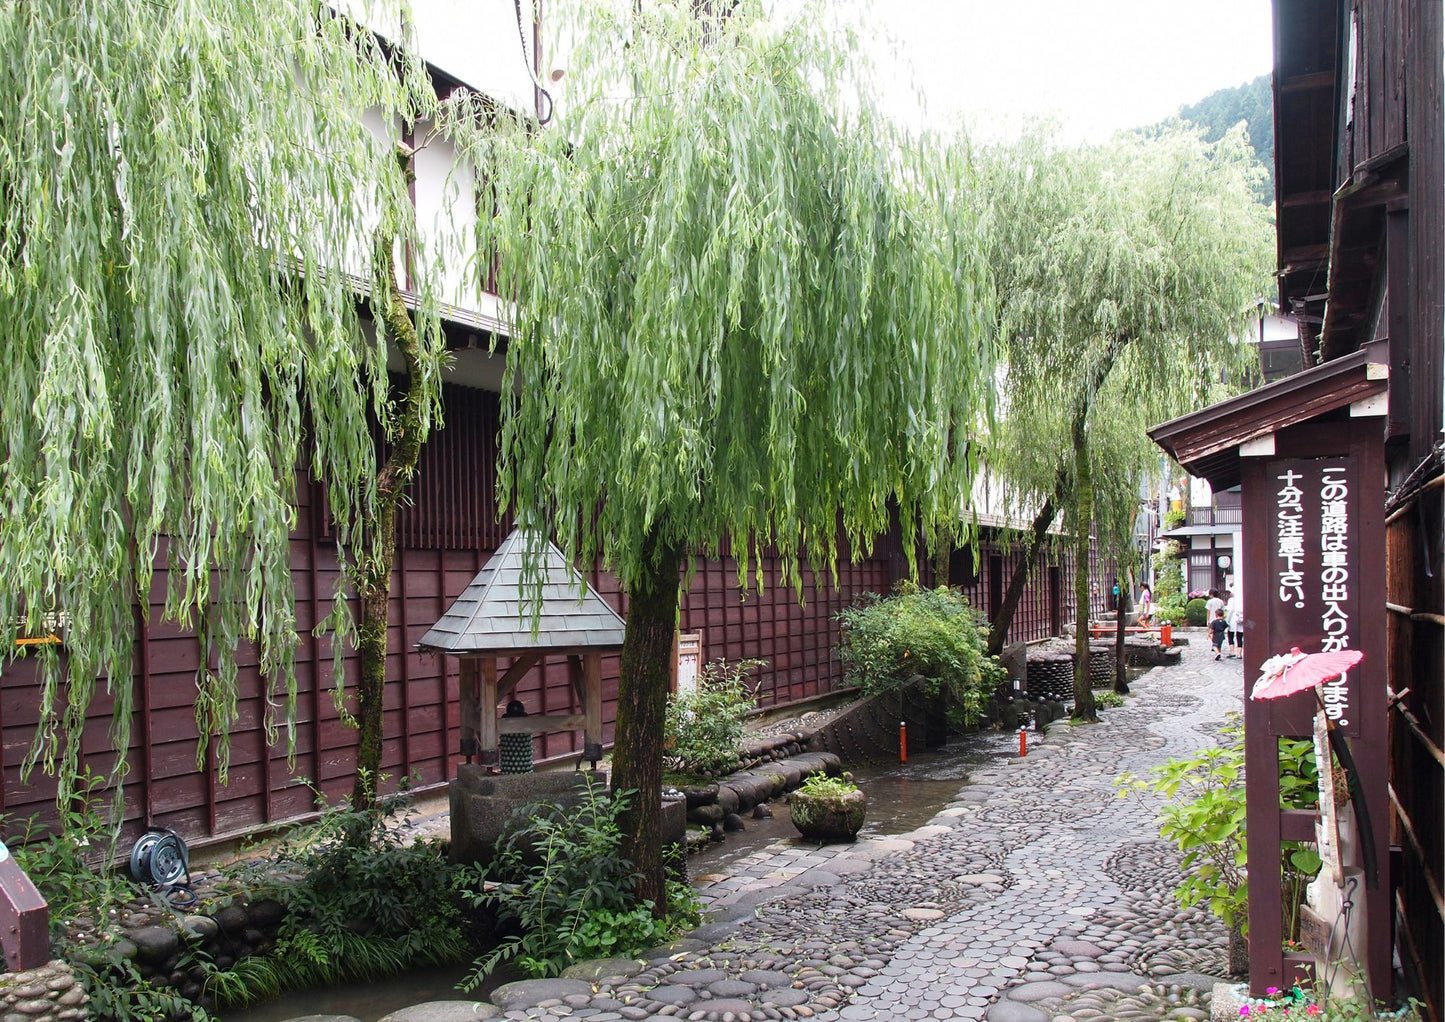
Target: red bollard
{"x": 903, "y": 741}
{"x": 1023, "y": 742}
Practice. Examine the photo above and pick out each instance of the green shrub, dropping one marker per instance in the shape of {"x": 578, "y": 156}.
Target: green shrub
{"x": 704, "y": 727}
{"x": 362, "y": 903}
{"x": 1203, "y": 813}
{"x": 1196, "y": 612}
{"x": 1108, "y": 699}
{"x": 559, "y": 878}
{"x": 1168, "y": 577}
{"x": 1173, "y": 518}
{"x": 1172, "y": 615}
{"x": 885, "y": 641}
{"x": 823, "y": 786}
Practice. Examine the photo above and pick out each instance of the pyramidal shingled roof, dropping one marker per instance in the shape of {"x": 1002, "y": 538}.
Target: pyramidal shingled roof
{"x": 492, "y": 617}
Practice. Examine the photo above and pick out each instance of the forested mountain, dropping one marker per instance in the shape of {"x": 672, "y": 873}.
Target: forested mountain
{"x": 1222, "y": 109}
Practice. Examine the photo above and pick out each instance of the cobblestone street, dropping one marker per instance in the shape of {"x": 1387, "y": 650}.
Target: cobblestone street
{"x": 1036, "y": 894}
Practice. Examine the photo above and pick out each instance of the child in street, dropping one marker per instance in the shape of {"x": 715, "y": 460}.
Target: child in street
{"x": 1217, "y": 628}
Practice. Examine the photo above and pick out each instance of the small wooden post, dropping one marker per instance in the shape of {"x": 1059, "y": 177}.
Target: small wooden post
{"x": 491, "y": 750}
{"x": 592, "y": 707}
{"x": 24, "y": 918}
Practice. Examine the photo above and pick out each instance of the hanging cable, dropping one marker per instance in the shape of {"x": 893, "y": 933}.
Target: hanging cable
{"x": 532, "y": 71}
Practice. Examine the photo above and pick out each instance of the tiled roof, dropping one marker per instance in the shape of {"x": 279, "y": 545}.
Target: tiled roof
{"x": 495, "y": 617}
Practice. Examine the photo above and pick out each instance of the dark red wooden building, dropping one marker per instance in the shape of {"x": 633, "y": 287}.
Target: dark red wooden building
{"x": 448, "y": 531}
{"x": 1360, "y": 179}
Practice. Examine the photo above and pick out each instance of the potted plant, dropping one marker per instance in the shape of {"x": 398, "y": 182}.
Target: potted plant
{"x": 828, "y": 809}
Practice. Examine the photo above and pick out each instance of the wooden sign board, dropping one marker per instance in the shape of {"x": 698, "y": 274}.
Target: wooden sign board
{"x": 688, "y": 662}
{"x": 1313, "y": 580}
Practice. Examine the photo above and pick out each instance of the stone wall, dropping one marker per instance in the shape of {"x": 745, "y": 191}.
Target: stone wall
{"x": 50, "y": 993}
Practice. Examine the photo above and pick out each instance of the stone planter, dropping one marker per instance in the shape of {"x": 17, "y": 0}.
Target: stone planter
{"x": 828, "y": 818}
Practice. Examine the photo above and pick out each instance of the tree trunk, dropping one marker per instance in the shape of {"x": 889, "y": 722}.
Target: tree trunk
{"x": 999, "y": 626}
{"x": 641, "y": 709}
{"x": 378, "y": 554}
{"x": 1083, "y": 515}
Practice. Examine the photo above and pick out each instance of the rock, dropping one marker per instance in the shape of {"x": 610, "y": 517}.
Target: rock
{"x": 1012, "y": 1011}
{"x": 1038, "y": 991}
{"x": 673, "y": 993}
{"x": 922, "y": 915}
{"x": 595, "y": 969}
{"x": 706, "y": 814}
{"x": 154, "y": 944}
{"x": 444, "y": 1011}
{"x": 266, "y": 913}
{"x": 732, "y": 823}
{"x": 728, "y": 799}
{"x": 762, "y": 812}
{"x": 700, "y": 795}
{"x": 527, "y": 993}
{"x": 324, "y": 1018}
{"x": 232, "y": 919}
{"x": 200, "y": 927}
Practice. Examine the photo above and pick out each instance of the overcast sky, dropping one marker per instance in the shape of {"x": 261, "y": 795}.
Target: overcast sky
{"x": 1097, "y": 65}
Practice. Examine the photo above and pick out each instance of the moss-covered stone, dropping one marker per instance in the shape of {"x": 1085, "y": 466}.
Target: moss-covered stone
{"x": 828, "y": 818}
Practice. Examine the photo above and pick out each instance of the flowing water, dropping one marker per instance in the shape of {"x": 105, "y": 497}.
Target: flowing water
{"x": 901, "y": 797}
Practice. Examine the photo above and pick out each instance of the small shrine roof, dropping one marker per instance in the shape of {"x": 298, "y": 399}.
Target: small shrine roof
{"x": 494, "y": 615}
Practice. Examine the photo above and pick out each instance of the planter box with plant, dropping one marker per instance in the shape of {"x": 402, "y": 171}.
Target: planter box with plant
{"x": 828, "y": 809}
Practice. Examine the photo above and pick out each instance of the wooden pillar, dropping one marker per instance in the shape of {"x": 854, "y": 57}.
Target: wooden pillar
{"x": 467, "y": 685}
{"x": 490, "y": 751}
{"x": 592, "y": 707}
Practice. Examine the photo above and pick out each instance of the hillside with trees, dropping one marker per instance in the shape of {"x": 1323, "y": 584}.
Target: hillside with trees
{"x": 1222, "y": 109}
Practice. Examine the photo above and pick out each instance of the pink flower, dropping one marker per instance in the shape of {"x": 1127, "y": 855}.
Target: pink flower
{"x": 1272, "y": 991}
{"x": 1244, "y": 1009}
{"x": 1313, "y": 1009}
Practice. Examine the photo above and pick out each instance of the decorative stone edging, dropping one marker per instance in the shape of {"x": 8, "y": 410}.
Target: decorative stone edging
{"x": 51, "y": 993}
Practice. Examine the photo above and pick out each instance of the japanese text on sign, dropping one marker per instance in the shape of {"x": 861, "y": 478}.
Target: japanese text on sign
{"x": 1290, "y": 539}
{"x": 1335, "y": 582}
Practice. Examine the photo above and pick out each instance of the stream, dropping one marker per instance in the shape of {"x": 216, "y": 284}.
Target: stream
{"x": 901, "y": 797}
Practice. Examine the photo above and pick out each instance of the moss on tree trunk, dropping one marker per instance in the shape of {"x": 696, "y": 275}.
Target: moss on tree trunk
{"x": 641, "y": 709}
{"x": 407, "y": 427}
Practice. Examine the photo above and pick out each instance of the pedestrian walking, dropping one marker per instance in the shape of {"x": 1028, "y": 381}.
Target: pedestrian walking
{"x": 1234, "y": 625}
{"x": 1146, "y": 605}
{"x": 1217, "y": 627}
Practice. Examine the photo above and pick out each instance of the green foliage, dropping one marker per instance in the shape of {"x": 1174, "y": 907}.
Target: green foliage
{"x": 705, "y": 726}
{"x": 1196, "y": 612}
{"x": 118, "y": 992}
{"x": 885, "y": 641}
{"x": 186, "y": 185}
{"x": 1173, "y": 518}
{"x": 1168, "y": 578}
{"x": 560, "y": 878}
{"x": 1301, "y": 1002}
{"x": 1221, "y": 110}
{"x": 67, "y": 859}
{"x": 742, "y": 305}
{"x": 823, "y": 786}
{"x": 1172, "y": 614}
{"x": 1203, "y": 813}
{"x": 1108, "y": 699}
{"x": 361, "y": 902}
{"x": 1122, "y": 273}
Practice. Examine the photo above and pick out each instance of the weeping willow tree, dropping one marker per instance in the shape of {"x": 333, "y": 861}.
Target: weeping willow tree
{"x": 1124, "y": 274}
{"x": 185, "y": 186}
{"x": 745, "y": 314}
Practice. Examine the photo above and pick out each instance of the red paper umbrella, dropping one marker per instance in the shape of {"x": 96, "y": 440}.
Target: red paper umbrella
{"x": 1295, "y": 671}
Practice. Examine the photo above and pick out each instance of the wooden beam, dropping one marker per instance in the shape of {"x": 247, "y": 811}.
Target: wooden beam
{"x": 520, "y": 667}
{"x": 539, "y": 724}
{"x": 1317, "y": 197}
{"x": 1308, "y": 82}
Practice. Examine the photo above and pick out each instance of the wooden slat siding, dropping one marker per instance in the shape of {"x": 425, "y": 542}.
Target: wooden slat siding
{"x": 1427, "y": 211}
{"x": 420, "y": 736}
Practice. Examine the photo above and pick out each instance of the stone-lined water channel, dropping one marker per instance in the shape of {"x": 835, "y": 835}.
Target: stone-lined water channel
{"x": 901, "y": 797}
